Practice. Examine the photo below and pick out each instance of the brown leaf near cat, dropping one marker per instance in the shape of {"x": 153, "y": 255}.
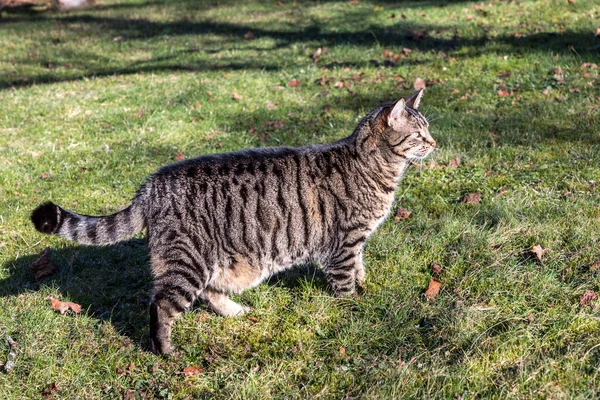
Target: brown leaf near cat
{"x": 64, "y": 306}
{"x": 586, "y": 298}
{"x": 471, "y": 198}
{"x": 433, "y": 290}
{"x": 43, "y": 265}
{"x": 419, "y": 84}
{"x": 402, "y": 214}
{"x": 538, "y": 251}
{"x": 192, "y": 370}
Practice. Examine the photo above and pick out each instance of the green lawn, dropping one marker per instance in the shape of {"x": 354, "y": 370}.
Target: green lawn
{"x": 93, "y": 101}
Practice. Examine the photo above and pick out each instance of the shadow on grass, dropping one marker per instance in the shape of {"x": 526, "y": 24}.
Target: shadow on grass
{"x": 113, "y": 283}
{"x": 137, "y": 32}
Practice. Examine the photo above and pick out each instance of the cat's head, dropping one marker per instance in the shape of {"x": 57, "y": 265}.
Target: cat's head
{"x": 398, "y": 128}
{"x": 407, "y": 130}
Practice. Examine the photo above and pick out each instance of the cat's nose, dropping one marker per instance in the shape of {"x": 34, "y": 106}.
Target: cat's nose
{"x": 432, "y": 143}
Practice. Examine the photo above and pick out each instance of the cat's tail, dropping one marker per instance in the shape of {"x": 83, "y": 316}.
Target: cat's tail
{"x": 53, "y": 220}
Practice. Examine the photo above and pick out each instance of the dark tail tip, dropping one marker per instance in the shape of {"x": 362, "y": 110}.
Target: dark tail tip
{"x": 45, "y": 217}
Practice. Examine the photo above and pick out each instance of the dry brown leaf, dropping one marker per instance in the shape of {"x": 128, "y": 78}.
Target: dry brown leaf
{"x": 471, "y": 198}
{"x": 338, "y": 85}
{"x": 402, "y": 214}
{"x": 436, "y": 268}
{"x": 468, "y": 16}
{"x": 293, "y": 82}
{"x": 45, "y": 175}
{"x": 270, "y": 106}
{"x": 249, "y": 35}
{"x": 202, "y": 317}
{"x": 503, "y": 75}
{"x": 455, "y": 91}
{"x": 179, "y": 157}
{"x": 455, "y": 162}
{"x": 538, "y": 251}
{"x": 49, "y": 391}
{"x": 235, "y": 96}
{"x": 406, "y": 51}
{"x": 503, "y": 93}
{"x": 42, "y": 266}
{"x": 574, "y": 90}
{"x": 419, "y": 84}
{"x": 317, "y": 53}
{"x": 598, "y": 32}
{"x": 192, "y": 370}
{"x": 586, "y": 298}
{"x": 546, "y": 92}
{"x": 595, "y": 266}
{"x": 433, "y": 290}
{"x": 64, "y": 306}
{"x": 343, "y": 352}
{"x": 253, "y": 319}
{"x": 589, "y": 65}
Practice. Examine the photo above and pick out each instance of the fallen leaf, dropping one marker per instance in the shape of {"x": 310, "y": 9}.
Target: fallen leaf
{"x": 277, "y": 87}
{"x": 433, "y": 290}
{"x": 598, "y": 32}
{"x": 343, "y": 352}
{"x": 468, "y": 16}
{"x": 402, "y": 214}
{"x": 202, "y": 317}
{"x": 471, "y": 198}
{"x": 574, "y": 90}
{"x": 503, "y": 93}
{"x": 249, "y": 35}
{"x": 555, "y": 71}
{"x": 546, "y": 92}
{"x": 316, "y": 54}
{"x": 270, "y": 106}
{"x": 192, "y": 370}
{"x": 589, "y": 65}
{"x": 436, "y": 268}
{"x": 419, "y": 84}
{"x": 64, "y": 306}
{"x": 293, "y": 82}
{"x": 253, "y": 319}
{"x": 45, "y": 175}
{"x": 235, "y": 96}
{"x": 455, "y": 91}
{"x": 538, "y": 251}
{"x": 179, "y": 157}
{"x": 595, "y": 266}
{"x": 504, "y": 75}
{"x": 586, "y": 298}
{"x": 42, "y": 266}
{"x": 354, "y": 2}
{"x": 49, "y": 391}
{"x": 117, "y": 38}
{"x": 571, "y": 1}
{"x": 455, "y": 162}
{"x": 406, "y": 51}
{"x": 338, "y": 85}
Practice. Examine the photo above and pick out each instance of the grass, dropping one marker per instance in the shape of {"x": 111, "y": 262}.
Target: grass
{"x": 95, "y": 100}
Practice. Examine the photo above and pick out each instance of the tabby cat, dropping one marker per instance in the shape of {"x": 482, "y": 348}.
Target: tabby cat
{"x": 223, "y": 223}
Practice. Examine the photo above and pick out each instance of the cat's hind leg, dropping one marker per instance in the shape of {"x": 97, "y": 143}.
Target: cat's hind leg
{"x": 176, "y": 287}
{"x": 220, "y": 303}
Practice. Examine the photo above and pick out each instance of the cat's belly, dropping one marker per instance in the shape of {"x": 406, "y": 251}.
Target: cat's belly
{"x": 243, "y": 274}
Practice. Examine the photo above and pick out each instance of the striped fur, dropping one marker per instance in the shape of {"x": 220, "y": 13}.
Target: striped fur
{"x": 220, "y": 224}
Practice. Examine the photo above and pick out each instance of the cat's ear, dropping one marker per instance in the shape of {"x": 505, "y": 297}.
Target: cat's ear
{"x": 396, "y": 113}
{"x": 415, "y": 99}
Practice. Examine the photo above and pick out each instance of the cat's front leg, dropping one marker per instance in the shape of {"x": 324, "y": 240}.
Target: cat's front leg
{"x": 344, "y": 271}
